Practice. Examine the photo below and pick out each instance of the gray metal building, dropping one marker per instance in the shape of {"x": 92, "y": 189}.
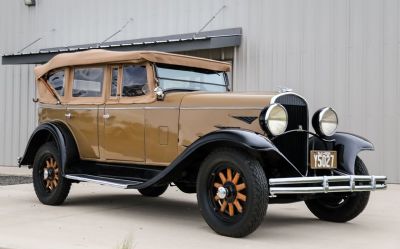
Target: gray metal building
{"x": 339, "y": 53}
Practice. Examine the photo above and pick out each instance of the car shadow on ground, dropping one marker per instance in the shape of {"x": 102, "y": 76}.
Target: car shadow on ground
{"x": 134, "y": 205}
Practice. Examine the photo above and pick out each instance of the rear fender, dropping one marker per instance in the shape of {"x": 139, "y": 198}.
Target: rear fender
{"x": 57, "y": 132}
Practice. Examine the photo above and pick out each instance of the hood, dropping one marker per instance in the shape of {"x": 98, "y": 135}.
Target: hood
{"x": 237, "y": 100}
{"x": 202, "y": 113}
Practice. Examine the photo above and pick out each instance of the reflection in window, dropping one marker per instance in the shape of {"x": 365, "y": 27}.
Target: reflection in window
{"x": 114, "y": 81}
{"x": 173, "y": 77}
{"x": 134, "y": 81}
{"x": 88, "y": 82}
{"x": 56, "y": 80}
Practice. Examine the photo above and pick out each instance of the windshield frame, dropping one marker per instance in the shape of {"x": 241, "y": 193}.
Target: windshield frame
{"x": 178, "y": 67}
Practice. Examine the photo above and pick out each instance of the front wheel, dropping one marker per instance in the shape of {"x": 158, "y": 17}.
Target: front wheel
{"x": 341, "y": 207}
{"x": 232, "y": 192}
{"x": 50, "y": 186}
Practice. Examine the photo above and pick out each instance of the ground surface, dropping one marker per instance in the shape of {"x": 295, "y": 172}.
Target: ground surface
{"x": 102, "y": 217}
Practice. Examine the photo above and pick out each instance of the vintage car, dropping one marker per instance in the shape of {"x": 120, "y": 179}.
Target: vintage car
{"x": 146, "y": 120}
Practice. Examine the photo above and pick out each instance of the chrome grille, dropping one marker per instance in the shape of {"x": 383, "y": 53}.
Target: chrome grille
{"x": 294, "y": 145}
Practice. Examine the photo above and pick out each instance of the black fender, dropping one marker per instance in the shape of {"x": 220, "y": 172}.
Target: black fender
{"x": 348, "y": 146}
{"x": 51, "y": 131}
{"x": 248, "y": 140}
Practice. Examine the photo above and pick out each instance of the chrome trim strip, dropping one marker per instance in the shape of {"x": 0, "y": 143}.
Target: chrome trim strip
{"x": 83, "y": 108}
{"x": 142, "y": 108}
{"x": 101, "y": 182}
{"x": 61, "y": 107}
{"x": 280, "y": 185}
{"x": 222, "y": 108}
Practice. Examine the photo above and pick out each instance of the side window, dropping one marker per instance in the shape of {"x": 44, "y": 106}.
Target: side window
{"x": 114, "y": 81}
{"x": 56, "y": 80}
{"x": 134, "y": 80}
{"x": 88, "y": 82}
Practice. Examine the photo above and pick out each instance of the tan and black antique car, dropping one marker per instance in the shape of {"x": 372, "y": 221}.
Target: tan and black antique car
{"x": 146, "y": 120}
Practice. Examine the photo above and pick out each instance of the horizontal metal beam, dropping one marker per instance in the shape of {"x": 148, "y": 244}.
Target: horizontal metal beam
{"x": 176, "y": 43}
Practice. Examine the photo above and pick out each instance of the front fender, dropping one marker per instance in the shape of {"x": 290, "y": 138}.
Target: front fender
{"x": 348, "y": 146}
{"x": 248, "y": 140}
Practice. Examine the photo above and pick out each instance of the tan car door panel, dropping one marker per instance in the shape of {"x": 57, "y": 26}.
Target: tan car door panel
{"x": 82, "y": 120}
{"x": 123, "y": 133}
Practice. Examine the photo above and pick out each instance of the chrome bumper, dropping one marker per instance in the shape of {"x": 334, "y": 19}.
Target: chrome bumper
{"x": 321, "y": 184}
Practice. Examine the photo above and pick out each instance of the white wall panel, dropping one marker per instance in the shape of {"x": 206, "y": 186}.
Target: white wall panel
{"x": 343, "y": 53}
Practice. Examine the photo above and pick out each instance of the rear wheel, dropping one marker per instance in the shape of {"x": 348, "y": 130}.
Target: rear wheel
{"x": 50, "y": 186}
{"x": 232, "y": 192}
{"x": 153, "y": 191}
{"x": 341, "y": 207}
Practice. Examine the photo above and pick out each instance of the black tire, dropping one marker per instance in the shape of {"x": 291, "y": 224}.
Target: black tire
{"x": 253, "y": 207}
{"x": 341, "y": 207}
{"x": 54, "y": 189}
{"x": 153, "y": 191}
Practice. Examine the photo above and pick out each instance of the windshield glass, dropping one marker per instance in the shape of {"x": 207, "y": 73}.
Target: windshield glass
{"x": 172, "y": 77}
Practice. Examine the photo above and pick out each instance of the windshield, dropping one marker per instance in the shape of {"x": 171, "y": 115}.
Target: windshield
{"x": 172, "y": 77}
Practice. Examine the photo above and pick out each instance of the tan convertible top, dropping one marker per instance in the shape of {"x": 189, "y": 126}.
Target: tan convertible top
{"x": 98, "y": 56}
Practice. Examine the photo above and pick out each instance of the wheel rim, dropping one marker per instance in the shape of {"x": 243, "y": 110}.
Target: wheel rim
{"x": 50, "y": 173}
{"x": 227, "y": 193}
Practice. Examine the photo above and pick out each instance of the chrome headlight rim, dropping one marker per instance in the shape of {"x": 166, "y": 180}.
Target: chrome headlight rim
{"x": 319, "y": 118}
{"x": 264, "y": 119}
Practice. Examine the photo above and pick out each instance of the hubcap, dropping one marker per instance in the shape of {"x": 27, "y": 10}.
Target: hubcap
{"x": 222, "y": 192}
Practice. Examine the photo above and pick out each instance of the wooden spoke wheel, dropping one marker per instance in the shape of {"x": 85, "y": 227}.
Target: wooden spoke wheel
{"x": 50, "y": 173}
{"x": 50, "y": 186}
{"x": 232, "y": 192}
{"x": 229, "y": 191}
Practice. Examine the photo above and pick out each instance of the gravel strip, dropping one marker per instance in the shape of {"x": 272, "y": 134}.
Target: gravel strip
{"x": 13, "y": 180}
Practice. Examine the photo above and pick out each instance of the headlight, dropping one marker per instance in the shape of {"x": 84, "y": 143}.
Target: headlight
{"x": 274, "y": 119}
{"x": 325, "y": 121}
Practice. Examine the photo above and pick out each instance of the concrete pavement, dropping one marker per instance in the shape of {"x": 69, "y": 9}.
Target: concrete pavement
{"x": 102, "y": 217}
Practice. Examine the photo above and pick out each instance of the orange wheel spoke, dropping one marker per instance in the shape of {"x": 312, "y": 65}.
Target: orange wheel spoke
{"x": 56, "y": 177}
{"x": 55, "y": 183}
{"x": 216, "y": 198}
{"x": 231, "y": 210}
{"x": 47, "y": 164}
{"x": 238, "y": 206}
{"x": 222, "y": 176}
{"x": 241, "y": 196}
{"x": 223, "y": 206}
{"x": 236, "y": 178}
{"x": 56, "y": 171}
{"x": 229, "y": 174}
{"x": 47, "y": 183}
{"x": 217, "y": 185}
{"x": 240, "y": 187}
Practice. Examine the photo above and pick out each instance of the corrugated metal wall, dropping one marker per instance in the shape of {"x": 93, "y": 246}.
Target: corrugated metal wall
{"x": 343, "y": 53}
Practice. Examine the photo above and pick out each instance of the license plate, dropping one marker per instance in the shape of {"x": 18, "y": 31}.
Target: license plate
{"x": 323, "y": 159}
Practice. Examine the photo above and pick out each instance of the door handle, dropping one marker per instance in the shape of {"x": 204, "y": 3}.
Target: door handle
{"x": 106, "y": 116}
{"x": 68, "y": 115}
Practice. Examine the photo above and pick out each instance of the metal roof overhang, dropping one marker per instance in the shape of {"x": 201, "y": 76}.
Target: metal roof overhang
{"x": 173, "y": 43}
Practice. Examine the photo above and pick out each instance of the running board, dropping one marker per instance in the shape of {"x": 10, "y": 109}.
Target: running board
{"x": 102, "y": 180}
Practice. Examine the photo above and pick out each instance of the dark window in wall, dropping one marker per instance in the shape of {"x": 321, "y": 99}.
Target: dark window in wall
{"x": 56, "y": 80}
{"x": 88, "y": 82}
{"x": 134, "y": 81}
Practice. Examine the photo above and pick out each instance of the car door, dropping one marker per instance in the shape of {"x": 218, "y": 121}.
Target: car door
{"x": 123, "y": 115}
{"x": 82, "y": 113}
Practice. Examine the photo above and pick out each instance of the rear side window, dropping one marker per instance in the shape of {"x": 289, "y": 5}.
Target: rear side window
{"x": 88, "y": 82}
{"x": 134, "y": 80}
{"x": 56, "y": 80}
